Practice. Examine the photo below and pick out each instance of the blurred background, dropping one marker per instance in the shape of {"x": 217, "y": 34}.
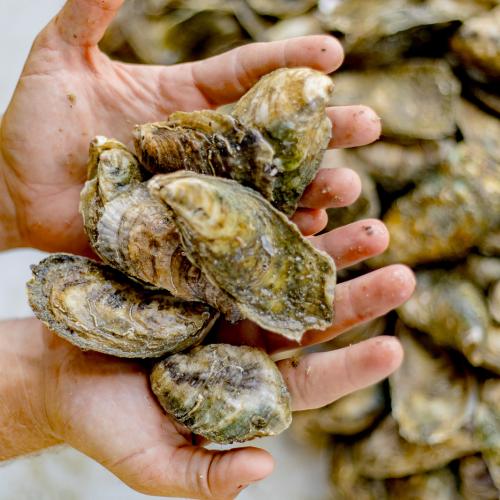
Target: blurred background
{"x": 431, "y": 70}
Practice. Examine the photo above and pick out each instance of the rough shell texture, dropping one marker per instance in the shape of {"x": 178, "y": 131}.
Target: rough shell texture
{"x": 483, "y": 270}
{"x": 224, "y": 393}
{"x": 251, "y": 251}
{"x": 475, "y": 480}
{"x": 384, "y": 453}
{"x": 273, "y": 143}
{"x": 432, "y": 396}
{"x": 96, "y": 308}
{"x": 133, "y": 232}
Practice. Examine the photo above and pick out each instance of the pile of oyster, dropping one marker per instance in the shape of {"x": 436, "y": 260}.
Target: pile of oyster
{"x": 192, "y": 226}
{"x": 431, "y": 70}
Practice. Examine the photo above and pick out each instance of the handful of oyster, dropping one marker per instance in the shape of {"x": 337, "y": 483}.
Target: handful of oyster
{"x": 183, "y": 246}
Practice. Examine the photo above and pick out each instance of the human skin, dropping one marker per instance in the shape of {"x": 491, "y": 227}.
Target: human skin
{"x": 53, "y": 393}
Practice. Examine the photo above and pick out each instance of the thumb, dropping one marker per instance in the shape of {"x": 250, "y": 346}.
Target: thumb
{"x": 221, "y": 475}
{"x": 83, "y": 22}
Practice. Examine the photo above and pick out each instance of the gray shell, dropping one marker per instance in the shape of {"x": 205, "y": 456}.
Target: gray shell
{"x": 96, "y": 308}
{"x": 224, "y": 393}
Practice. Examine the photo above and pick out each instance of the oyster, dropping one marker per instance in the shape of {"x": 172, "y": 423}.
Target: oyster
{"x": 251, "y": 251}
{"x": 475, "y": 480}
{"x": 273, "y": 142}
{"x": 281, "y": 8}
{"x": 94, "y": 307}
{"x": 349, "y": 415}
{"x": 494, "y": 301}
{"x": 359, "y": 333}
{"x": 450, "y": 309}
{"x": 446, "y": 214}
{"x": 432, "y": 397}
{"x": 414, "y": 99}
{"x": 294, "y": 27}
{"x": 490, "y": 244}
{"x": 436, "y": 485}
{"x": 478, "y": 46}
{"x": 346, "y": 481}
{"x": 384, "y": 453}
{"x": 133, "y": 232}
{"x": 224, "y": 393}
{"x": 487, "y": 427}
{"x": 483, "y": 270}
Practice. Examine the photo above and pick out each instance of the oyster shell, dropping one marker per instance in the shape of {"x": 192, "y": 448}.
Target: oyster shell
{"x": 251, "y": 251}
{"x": 224, "y": 393}
{"x": 349, "y": 415}
{"x": 432, "y": 397}
{"x": 436, "y": 485}
{"x": 281, "y": 8}
{"x": 483, "y": 270}
{"x": 475, "y": 480}
{"x": 294, "y": 27}
{"x": 384, "y": 453}
{"x": 490, "y": 244}
{"x": 487, "y": 427}
{"x": 414, "y": 99}
{"x": 494, "y": 301}
{"x": 273, "y": 142}
{"x": 94, "y": 307}
{"x": 359, "y": 333}
{"x": 478, "y": 46}
{"x": 133, "y": 232}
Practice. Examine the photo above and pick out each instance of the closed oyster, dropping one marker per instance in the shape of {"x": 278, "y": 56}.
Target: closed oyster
{"x": 94, "y": 307}
{"x": 483, "y": 270}
{"x": 224, "y": 393}
{"x": 251, "y": 251}
{"x": 436, "y": 485}
{"x": 494, "y": 301}
{"x": 487, "y": 427}
{"x": 133, "y": 232}
{"x": 294, "y": 27}
{"x": 450, "y": 309}
{"x": 475, "y": 480}
{"x": 446, "y": 214}
{"x": 281, "y": 8}
{"x": 384, "y": 453}
{"x": 432, "y": 396}
{"x": 273, "y": 142}
{"x": 490, "y": 244}
{"x": 477, "y": 44}
{"x": 414, "y": 99}
{"x": 349, "y": 415}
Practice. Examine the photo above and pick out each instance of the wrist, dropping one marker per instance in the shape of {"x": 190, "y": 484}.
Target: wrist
{"x": 24, "y": 425}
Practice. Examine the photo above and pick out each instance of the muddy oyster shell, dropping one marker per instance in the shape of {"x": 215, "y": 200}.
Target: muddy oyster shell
{"x": 133, "y": 232}
{"x": 96, "y": 308}
{"x": 384, "y": 453}
{"x": 414, "y": 99}
{"x": 251, "y": 251}
{"x": 432, "y": 396}
{"x": 475, "y": 480}
{"x": 224, "y": 393}
{"x": 273, "y": 142}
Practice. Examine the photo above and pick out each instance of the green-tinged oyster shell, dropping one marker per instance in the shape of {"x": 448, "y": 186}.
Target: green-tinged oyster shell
{"x": 224, "y": 393}
{"x": 482, "y": 270}
{"x": 251, "y": 251}
{"x": 494, "y": 301}
{"x": 477, "y": 44}
{"x": 448, "y": 213}
{"x": 133, "y": 232}
{"x": 384, "y": 453}
{"x": 415, "y": 99}
{"x": 435, "y": 485}
{"x": 273, "y": 142}
{"x": 487, "y": 427}
{"x": 346, "y": 481}
{"x": 432, "y": 396}
{"x": 475, "y": 480}
{"x": 451, "y": 310}
{"x": 349, "y": 415}
{"x": 96, "y": 308}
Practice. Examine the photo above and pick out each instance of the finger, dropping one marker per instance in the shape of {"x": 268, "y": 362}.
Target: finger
{"x": 318, "y": 379}
{"x": 224, "y": 78}
{"x": 219, "y": 475}
{"x": 355, "y": 242}
{"x": 310, "y": 221}
{"x": 83, "y": 22}
{"x": 332, "y": 187}
{"x": 353, "y": 126}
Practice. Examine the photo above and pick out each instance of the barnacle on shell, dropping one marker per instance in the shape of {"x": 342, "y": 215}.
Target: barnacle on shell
{"x": 94, "y": 307}
{"x": 251, "y": 251}
{"x": 224, "y": 393}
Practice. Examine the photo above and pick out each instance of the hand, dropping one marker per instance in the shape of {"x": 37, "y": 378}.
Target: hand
{"x": 69, "y": 91}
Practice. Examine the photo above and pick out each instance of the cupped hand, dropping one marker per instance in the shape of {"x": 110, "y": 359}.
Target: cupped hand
{"x": 68, "y": 92}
